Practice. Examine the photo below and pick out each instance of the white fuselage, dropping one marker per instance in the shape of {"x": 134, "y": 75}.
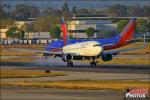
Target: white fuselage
{"x": 89, "y": 48}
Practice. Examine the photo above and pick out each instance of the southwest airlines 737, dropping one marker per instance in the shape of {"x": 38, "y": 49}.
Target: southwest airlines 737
{"x": 91, "y": 50}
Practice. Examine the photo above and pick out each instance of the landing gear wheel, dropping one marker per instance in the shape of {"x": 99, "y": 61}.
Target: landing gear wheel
{"x": 47, "y": 71}
{"x": 70, "y": 64}
{"x": 93, "y": 64}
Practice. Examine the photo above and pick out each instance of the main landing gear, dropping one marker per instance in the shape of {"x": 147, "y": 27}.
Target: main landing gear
{"x": 93, "y": 63}
{"x": 70, "y": 64}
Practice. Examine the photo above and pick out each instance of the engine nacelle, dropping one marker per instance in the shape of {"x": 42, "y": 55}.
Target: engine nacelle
{"x": 67, "y": 57}
{"x": 107, "y": 57}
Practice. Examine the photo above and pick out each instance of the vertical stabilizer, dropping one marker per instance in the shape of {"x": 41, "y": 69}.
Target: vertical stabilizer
{"x": 127, "y": 32}
{"x": 64, "y": 30}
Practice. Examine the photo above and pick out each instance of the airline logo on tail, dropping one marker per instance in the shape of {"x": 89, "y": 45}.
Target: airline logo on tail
{"x": 64, "y": 29}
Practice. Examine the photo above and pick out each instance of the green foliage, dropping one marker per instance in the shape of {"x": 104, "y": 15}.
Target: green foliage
{"x": 23, "y": 12}
{"x": 28, "y": 28}
{"x": 11, "y": 32}
{"x": 5, "y": 11}
{"x": 146, "y": 10}
{"x": 42, "y": 24}
{"x": 148, "y": 26}
{"x": 74, "y": 10}
{"x": 141, "y": 26}
{"x": 83, "y": 11}
{"x": 55, "y": 31}
{"x": 15, "y": 32}
{"x": 65, "y": 10}
{"x": 121, "y": 24}
{"x": 90, "y": 31}
{"x": 21, "y": 33}
{"x": 118, "y": 10}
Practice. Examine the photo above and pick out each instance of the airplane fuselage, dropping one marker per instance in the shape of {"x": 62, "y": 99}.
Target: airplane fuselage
{"x": 89, "y": 48}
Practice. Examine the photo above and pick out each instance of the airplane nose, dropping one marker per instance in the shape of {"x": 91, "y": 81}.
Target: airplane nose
{"x": 101, "y": 49}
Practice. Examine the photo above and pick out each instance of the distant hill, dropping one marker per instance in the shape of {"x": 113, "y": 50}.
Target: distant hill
{"x": 78, "y": 3}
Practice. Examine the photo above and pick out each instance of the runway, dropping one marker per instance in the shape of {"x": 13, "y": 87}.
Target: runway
{"x": 80, "y": 67}
{"x": 81, "y": 71}
{"x": 59, "y": 94}
{"x": 103, "y": 72}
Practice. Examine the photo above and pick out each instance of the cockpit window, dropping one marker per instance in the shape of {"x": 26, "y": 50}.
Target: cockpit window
{"x": 97, "y": 45}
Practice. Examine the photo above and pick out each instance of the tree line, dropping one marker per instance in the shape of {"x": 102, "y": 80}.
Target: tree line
{"x": 48, "y": 18}
{"x": 23, "y": 12}
{"x": 142, "y": 26}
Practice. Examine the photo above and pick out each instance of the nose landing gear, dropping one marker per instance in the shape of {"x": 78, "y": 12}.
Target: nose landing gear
{"x": 70, "y": 64}
{"x": 93, "y": 63}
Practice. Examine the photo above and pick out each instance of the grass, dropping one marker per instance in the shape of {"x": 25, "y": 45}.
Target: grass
{"x": 16, "y": 73}
{"x": 13, "y": 53}
{"x": 145, "y": 50}
{"x": 127, "y": 61}
{"x": 5, "y": 51}
{"x": 84, "y": 84}
{"x": 25, "y": 46}
{"x": 18, "y": 60}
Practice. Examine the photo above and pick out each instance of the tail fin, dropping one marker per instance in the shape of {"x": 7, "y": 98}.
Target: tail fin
{"x": 127, "y": 32}
{"x": 125, "y": 36}
{"x": 64, "y": 29}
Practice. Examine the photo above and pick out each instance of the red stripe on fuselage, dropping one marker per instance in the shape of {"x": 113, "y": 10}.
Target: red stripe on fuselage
{"x": 56, "y": 50}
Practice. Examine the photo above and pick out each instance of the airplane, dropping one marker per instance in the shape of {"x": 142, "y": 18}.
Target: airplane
{"x": 90, "y": 50}
{"x": 124, "y": 38}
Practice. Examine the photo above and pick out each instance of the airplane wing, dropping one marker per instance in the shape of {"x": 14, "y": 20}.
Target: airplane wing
{"x": 127, "y": 41}
{"x": 54, "y": 54}
{"x": 115, "y": 52}
{"x": 43, "y": 53}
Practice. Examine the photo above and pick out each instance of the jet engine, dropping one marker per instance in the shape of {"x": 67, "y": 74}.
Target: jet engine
{"x": 107, "y": 57}
{"x": 67, "y": 57}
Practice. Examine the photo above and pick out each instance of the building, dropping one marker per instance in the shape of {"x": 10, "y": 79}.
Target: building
{"x": 37, "y": 35}
{"x": 3, "y": 33}
{"x": 19, "y": 24}
{"x": 77, "y": 27}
